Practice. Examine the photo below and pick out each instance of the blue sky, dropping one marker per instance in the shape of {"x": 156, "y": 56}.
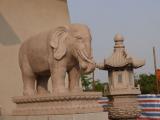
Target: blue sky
{"x": 137, "y": 20}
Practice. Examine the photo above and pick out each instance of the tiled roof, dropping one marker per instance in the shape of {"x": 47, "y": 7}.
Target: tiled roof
{"x": 120, "y": 58}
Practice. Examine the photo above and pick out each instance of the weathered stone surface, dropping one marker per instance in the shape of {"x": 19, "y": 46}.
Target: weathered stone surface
{"x": 0, "y": 111}
{"x": 61, "y": 117}
{"x": 41, "y": 15}
{"x": 13, "y": 117}
{"x": 97, "y": 116}
{"x": 60, "y": 51}
{"x": 124, "y": 107}
{"x": 37, "y": 117}
{"x": 86, "y": 116}
{"x": 70, "y": 103}
{"x": 120, "y": 66}
{"x": 79, "y": 117}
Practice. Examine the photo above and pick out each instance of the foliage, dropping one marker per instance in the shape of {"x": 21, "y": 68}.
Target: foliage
{"x": 86, "y": 82}
{"x": 99, "y": 86}
{"x": 147, "y": 83}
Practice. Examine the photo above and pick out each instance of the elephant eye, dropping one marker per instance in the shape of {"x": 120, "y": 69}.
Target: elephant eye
{"x": 78, "y": 37}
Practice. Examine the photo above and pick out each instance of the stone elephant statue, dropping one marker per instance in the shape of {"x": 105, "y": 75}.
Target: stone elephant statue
{"x": 66, "y": 49}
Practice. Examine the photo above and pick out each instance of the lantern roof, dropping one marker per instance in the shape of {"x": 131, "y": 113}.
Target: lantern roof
{"x": 120, "y": 58}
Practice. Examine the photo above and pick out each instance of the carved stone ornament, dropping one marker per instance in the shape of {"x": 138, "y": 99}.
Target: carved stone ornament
{"x": 66, "y": 49}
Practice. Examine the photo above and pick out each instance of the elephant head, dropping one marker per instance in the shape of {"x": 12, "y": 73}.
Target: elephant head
{"x": 75, "y": 40}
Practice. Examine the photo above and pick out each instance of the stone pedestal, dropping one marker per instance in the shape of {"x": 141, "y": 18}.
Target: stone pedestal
{"x": 124, "y": 107}
{"x": 57, "y": 104}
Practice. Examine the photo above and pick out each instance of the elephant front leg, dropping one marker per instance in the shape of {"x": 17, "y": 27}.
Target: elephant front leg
{"x": 74, "y": 80}
{"x": 58, "y": 79}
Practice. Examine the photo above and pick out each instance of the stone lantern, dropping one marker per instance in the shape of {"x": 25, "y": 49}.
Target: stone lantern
{"x": 120, "y": 67}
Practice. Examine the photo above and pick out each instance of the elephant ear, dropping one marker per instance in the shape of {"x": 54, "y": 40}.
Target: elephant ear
{"x": 57, "y": 42}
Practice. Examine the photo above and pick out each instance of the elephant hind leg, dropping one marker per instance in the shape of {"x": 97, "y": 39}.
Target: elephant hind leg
{"x": 28, "y": 78}
{"x": 42, "y": 84}
{"x": 29, "y": 84}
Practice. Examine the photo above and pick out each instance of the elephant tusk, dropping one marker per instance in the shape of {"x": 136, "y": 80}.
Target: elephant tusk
{"x": 84, "y": 57}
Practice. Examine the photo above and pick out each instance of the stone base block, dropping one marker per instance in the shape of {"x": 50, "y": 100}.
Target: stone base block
{"x": 86, "y": 116}
{"x": 124, "y": 107}
{"x": 57, "y": 104}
